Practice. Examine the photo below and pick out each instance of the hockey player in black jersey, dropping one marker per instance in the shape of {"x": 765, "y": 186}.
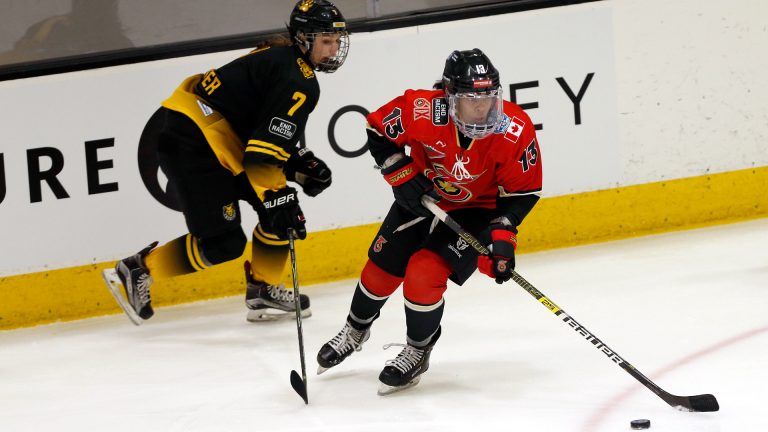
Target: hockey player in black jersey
{"x": 232, "y": 134}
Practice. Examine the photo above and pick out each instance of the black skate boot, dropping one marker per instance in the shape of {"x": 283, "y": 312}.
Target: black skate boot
{"x": 405, "y": 370}
{"x": 271, "y": 302}
{"x": 135, "y": 279}
{"x": 341, "y": 346}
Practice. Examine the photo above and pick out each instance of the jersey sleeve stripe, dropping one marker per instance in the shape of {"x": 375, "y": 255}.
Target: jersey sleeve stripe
{"x": 269, "y": 146}
{"x": 503, "y": 193}
{"x": 252, "y": 149}
{"x": 372, "y": 129}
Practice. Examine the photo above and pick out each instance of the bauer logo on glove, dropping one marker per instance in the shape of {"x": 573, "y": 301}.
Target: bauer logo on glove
{"x": 283, "y": 213}
{"x": 291, "y": 196}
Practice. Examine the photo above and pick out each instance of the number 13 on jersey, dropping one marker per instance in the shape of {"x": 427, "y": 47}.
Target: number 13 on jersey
{"x": 530, "y": 156}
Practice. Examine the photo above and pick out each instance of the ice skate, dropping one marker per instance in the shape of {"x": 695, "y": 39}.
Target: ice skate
{"x": 341, "y": 346}
{"x": 405, "y": 370}
{"x": 134, "y": 277}
{"x": 271, "y": 302}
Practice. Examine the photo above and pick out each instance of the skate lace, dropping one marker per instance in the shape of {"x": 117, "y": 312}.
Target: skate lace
{"x": 142, "y": 287}
{"x": 279, "y": 293}
{"x": 348, "y": 338}
{"x": 408, "y": 358}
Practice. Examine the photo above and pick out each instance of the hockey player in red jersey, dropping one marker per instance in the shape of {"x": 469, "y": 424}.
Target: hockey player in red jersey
{"x": 232, "y": 134}
{"x": 478, "y": 156}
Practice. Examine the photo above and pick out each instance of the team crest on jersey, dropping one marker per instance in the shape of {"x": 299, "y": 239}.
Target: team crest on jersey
{"x": 282, "y": 128}
{"x": 379, "y": 244}
{"x": 514, "y": 130}
{"x": 446, "y": 187}
{"x": 305, "y": 69}
{"x": 450, "y": 183}
{"x": 439, "y": 112}
{"x": 420, "y": 109}
{"x": 230, "y": 212}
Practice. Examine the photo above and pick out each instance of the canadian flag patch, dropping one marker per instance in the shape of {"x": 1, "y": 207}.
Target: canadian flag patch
{"x": 514, "y": 130}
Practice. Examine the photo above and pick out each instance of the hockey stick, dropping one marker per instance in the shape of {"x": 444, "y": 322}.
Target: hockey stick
{"x": 299, "y": 383}
{"x": 699, "y": 403}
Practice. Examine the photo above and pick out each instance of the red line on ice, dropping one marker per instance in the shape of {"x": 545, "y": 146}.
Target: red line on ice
{"x": 601, "y": 413}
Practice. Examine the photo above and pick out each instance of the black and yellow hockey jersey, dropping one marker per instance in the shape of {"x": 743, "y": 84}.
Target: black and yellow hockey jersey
{"x": 252, "y": 110}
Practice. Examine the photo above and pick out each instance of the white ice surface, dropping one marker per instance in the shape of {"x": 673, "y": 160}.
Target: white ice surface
{"x": 687, "y": 309}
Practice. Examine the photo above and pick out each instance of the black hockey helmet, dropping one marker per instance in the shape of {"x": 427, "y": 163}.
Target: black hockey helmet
{"x": 470, "y": 71}
{"x": 469, "y": 77}
{"x": 310, "y": 18}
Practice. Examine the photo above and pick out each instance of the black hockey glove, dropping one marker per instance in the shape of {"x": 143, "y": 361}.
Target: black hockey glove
{"x": 309, "y": 171}
{"x": 408, "y": 185}
{"x": 501, "y": 261}
{"x": 283, "y": 213}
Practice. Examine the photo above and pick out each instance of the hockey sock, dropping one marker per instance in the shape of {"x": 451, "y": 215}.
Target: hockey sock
{"x": 188, "y": 254}
{"x": 268, "y": 256}
{"x": 422, "y": 321}
{"x": 426, "y": 279}
{"x": 177, "y": 257}
{"x": 372, "y": 291}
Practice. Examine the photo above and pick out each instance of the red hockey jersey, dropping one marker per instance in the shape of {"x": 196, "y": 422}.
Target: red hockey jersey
{"x": 507, "y": 162}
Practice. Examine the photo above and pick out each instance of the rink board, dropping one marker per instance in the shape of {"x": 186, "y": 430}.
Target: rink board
{"x": 79, "y": 292}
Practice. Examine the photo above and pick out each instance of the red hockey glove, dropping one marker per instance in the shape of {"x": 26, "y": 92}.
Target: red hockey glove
{"x": 501, "y": 261}
{"x": 408, "y": 185}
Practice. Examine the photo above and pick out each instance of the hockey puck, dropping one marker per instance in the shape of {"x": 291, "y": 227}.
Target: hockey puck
{"x": 640, "y": 424}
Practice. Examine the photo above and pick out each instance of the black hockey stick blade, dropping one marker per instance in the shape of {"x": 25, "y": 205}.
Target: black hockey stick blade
{"x": 698, "y": 403}
{"x": 298, "y": 384}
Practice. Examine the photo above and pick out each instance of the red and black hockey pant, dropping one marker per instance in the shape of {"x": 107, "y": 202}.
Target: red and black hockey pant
{"x": 422, "y": 256}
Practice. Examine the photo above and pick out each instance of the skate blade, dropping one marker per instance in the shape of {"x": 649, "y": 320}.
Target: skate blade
{"x": 387, "y": 389}
{"x": 321, "y": 369}
{"x": 116, "y": 288}
{"x": 270, "y": 314}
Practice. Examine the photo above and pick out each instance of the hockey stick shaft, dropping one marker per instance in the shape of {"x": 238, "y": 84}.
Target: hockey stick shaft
{"x": 299, "y": 385}
{"x": 704, "y": 402}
